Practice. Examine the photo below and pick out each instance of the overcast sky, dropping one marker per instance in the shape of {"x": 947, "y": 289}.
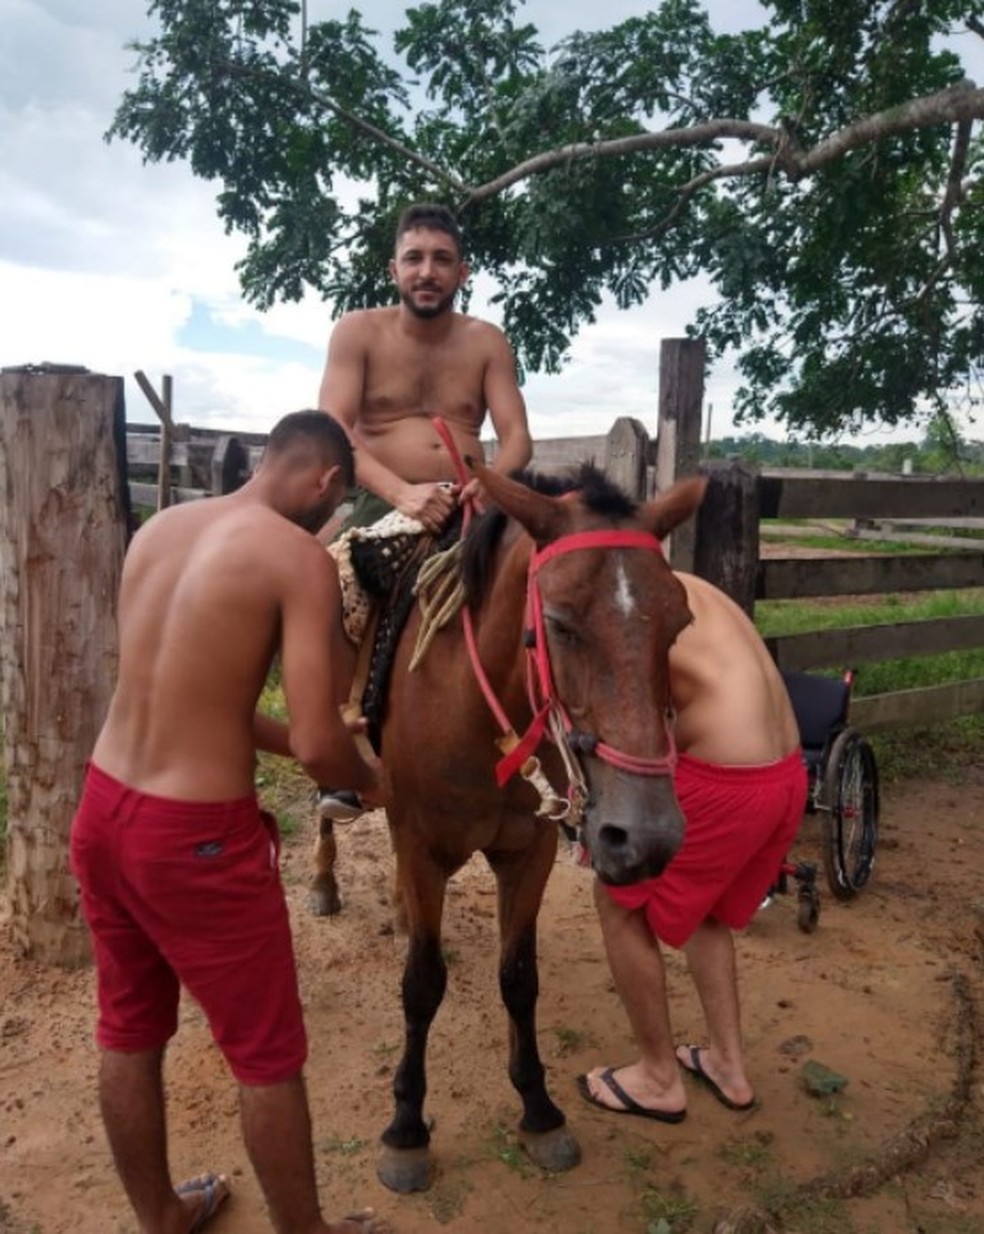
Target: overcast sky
{"x": 118, "y": 266}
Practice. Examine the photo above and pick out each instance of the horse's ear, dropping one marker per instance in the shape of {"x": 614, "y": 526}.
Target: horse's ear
{"x": 675, "y": 506}
{"x": 545, "y": 518}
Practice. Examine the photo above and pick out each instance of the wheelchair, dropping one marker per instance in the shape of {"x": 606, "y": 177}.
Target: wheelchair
{"x": 843, "y": 792}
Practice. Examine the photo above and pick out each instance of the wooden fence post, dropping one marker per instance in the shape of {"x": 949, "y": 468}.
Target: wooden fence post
{"x": 63, "y": 529}
{"x": 681, "y": 399}
{"x": 230, "y": 465}
{"x": 727, "y": 532}
{"x": 162, "y": 404}
{"x": 626, "y": 455}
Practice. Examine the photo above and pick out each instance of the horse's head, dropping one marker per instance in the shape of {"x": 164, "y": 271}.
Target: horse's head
{"x": 606, "y": 608}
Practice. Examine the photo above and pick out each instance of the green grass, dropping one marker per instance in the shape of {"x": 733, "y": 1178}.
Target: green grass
{"x": 905, "y": 752}
{"x": 847, "y": 544}
{"x": 776, "y": 618}
{"x": 504, "y": 1146}
{"x": 668, "y": 1212}
{"x": 347, "y": 1148}
{"x": 569, "y": 1039}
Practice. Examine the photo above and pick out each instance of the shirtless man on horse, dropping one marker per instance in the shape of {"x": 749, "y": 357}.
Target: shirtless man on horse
{"x": 389, "y": 371}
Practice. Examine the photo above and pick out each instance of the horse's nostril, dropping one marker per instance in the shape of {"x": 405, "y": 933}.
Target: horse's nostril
{"x": 614, "y": 838}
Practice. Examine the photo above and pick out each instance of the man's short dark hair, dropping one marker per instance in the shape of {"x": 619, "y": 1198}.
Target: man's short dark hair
{"x": 433, "y": 216}
{"x": 323, "y": 431}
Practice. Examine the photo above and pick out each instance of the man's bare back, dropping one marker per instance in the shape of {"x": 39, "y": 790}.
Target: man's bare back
{"x": 732, "y": 706}
{"x": 210, "y": 591}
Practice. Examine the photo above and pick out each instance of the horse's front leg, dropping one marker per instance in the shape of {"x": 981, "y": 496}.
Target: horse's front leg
{"x": 405, "y": 1161}
{"x": 521, "y": 880}
{"x": 323, "y": 897}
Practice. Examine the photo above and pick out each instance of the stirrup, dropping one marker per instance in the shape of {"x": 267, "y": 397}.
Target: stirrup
{"x": 340, "y": 805}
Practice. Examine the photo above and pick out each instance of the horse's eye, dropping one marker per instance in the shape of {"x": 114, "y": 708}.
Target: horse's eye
{"x": 561, "y": 632}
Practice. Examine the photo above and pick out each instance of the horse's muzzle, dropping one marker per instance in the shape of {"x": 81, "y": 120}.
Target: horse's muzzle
{"x": 633, "y": 827}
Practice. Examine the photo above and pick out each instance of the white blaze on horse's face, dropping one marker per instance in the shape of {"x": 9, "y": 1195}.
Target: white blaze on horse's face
{"x": 624, "y": 599}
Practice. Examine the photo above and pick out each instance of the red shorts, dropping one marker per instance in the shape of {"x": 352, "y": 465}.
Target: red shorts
{"x": 189, "y": 893}
{"x": 740, "y": 822}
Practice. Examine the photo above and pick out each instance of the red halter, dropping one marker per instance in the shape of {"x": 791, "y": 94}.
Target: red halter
{"x": 540, "y": 685}
{"x": 542, "y": 694}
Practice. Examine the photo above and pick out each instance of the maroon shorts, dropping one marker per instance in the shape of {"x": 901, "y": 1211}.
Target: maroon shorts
{"x": 188, "y": 893}
{"x": 740, "y": 822}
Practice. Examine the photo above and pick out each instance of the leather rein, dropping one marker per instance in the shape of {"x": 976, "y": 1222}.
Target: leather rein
{"x": 549, "y": 713}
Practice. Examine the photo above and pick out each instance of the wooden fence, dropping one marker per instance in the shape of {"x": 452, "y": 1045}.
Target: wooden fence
{"x": 728, "y": 541}
{"x": 724, "y": 545}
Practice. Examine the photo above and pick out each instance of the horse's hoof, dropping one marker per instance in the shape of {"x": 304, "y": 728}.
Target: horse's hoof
{"x": 324, "y": 900}
{"x": 405, "y": 1169}
{"x": 555, "y": 1150}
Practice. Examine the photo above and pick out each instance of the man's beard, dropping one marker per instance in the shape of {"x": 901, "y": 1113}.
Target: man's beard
{"x": 428, "y": 311}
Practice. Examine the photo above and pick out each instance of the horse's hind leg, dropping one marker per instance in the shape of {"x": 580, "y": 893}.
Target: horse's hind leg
{"x": 521, "y": 879}
{"x": 405, "y": 1161}
{"x": 323, "y": 897}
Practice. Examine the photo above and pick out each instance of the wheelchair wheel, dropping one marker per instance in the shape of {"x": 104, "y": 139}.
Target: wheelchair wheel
{"x": 849, "y": 814}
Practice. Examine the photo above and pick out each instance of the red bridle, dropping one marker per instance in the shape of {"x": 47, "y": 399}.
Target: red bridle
{"x": 542, "y": 693}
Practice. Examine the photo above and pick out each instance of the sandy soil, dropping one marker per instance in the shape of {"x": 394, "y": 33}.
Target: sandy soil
{"x": 885, "y": 992}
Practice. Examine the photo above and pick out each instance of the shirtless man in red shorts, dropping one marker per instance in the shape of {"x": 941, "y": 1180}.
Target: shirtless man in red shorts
{"x": 177, "y": 864}
{"x": 742, "y": 786}
{"x": 389, "y": 371}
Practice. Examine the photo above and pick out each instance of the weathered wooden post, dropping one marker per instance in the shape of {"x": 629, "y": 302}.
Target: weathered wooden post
{"x": 162, "y": 404}
{"x": 626, "y": 454}
{"x": 63, "y": 529}
{"x": 230, "y": 465}
{"x": 681, "y": 399}
{"x": 727, "y": 540}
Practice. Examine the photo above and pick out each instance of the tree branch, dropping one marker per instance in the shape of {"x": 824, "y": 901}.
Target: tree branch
{"x": 378, "y": 135}
{"x": 951, "y": 106}
{"x": 665, "y": 139}
{"x": 730, "y": 170}
{"x": 964, "y": 102}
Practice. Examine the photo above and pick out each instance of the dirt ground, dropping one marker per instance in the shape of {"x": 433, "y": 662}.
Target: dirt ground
{"x": 886, "y": 992}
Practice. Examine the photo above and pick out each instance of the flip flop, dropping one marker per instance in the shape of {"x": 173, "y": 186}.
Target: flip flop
{"x": 696, "y": 1069}
{"x": 211, "y": 1186}
{"x": 629, "y": 1104}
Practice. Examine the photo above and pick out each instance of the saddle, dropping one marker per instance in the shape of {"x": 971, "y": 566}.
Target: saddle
{"x": 378, "y": 569}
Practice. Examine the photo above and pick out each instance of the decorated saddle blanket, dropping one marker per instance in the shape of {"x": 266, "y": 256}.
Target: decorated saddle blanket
{"x": 378, "y": 567}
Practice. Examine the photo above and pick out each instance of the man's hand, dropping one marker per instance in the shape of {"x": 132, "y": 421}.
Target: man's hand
{"x": 431, "y": 504}
{"x": 474, "y": 493}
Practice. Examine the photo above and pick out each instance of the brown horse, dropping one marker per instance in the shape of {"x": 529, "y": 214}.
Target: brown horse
{"x": 572, "y": 609}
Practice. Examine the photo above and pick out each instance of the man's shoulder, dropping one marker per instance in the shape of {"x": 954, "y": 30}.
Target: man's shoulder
{"x": 481, "y": 337}
{"x": 479, "y": 326}
{"x": 357, "y": 321}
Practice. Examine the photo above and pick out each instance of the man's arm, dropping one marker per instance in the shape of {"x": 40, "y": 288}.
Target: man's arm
{"x": 270, "y": 735}
{"x": 507, "y": 411}
{"x": 311, "y": 650}
{"x": 507, "y": 408}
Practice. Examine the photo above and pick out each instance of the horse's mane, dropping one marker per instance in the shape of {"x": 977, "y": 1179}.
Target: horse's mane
{"x": 593, "y": 488}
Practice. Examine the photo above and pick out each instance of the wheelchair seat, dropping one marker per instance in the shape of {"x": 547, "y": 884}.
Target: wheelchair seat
{"x": 821, "y": 705}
